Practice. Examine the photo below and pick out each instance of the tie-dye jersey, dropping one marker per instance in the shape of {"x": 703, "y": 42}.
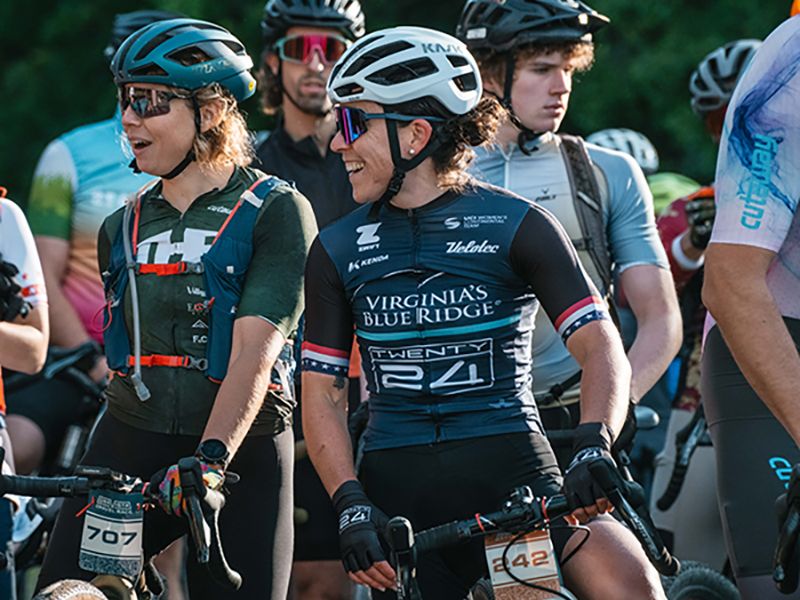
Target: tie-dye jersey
{"x": 758, "y": 169}
{"x": 81, "y": 178}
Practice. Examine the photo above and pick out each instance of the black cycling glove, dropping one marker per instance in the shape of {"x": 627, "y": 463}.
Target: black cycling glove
{"x": 12, "y": 303}
{"x": 700, "y": 214}
{"x": 592, "y": 441}
{"x": 360, "y": 525}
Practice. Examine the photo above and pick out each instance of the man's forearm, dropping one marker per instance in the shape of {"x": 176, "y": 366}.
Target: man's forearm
{"x": 765, "y": 352}
{"x": 656, "y": 344}
{"x": 651, "y": 294}
{"x": 325, "y": 429}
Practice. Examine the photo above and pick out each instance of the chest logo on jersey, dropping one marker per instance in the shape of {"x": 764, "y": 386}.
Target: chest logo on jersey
{"x": 355, "y": 265}
{"x": 220, "y": 209}
{"x": 368, "y": 238}
{"x": 427, "y": 308}
{"x": 160, "y": 248}
{"x": 443, "y": 369}
{"x": 545, "y": 195}
{"x": 474, "y": 221}
{"x": 472, "y": 247}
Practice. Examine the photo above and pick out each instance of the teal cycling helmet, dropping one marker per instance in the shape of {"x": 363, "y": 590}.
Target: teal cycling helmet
{"x": 185, "y": 53}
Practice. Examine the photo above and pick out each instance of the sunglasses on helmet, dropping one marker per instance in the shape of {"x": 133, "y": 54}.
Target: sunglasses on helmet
{"x": 146, "y": 102}
{"x": 301, "y": 48}
{"x": 352, "y": 122}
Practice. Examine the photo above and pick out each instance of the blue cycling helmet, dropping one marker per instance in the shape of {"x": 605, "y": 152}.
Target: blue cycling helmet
{"x": 185, "y": 53}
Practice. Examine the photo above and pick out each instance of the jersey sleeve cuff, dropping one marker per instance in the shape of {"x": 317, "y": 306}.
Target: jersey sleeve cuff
{"x": 579, "y": 314}
{"x": 321, "y": 359}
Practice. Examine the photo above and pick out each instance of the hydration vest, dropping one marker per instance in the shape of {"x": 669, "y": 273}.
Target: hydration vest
{"x": 224, "y": 268}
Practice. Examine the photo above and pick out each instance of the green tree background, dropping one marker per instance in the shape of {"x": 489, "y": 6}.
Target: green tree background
{"x": 54, "y": 76}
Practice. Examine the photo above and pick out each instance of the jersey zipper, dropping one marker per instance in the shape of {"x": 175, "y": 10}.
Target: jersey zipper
{"x": 420, "y": 275}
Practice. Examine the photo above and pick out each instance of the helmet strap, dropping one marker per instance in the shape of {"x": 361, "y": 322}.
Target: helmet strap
{"x": 403, "y": 165}
{"x": 285, "y": 92}
{"x": 526, "y": 135}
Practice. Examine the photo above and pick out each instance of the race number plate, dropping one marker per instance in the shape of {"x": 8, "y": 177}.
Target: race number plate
{"x": 531, "y": 559}
{"x": 112, "y": 535}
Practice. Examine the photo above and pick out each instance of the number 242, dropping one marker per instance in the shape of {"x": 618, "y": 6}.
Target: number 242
{"x": 521, "y": 560}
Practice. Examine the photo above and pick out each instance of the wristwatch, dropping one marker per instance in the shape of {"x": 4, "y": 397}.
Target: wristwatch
{"x": 213, "y": 452}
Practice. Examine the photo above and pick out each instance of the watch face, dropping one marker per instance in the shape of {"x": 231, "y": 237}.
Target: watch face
{"x": 213, "y": 451}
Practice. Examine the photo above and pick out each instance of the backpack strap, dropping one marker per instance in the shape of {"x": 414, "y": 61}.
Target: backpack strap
{"x": 588, "y": 205}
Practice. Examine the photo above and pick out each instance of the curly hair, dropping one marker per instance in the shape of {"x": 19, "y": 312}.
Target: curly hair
{"x": 270, "y": 86}
{"x": 493, "y": 64}
{"x": 459, "y": 133}
{"x": 227, "y": 143}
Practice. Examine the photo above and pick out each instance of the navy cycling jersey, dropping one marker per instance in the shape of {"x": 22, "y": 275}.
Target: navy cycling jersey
{"x": 442, "y": 299}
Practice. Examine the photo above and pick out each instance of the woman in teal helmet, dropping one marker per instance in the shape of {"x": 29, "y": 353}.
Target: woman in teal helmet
{"x": 203, "y": 275}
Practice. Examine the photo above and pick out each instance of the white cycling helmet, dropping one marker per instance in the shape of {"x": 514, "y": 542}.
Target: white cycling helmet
{"x": 401, "y": 64}
{"x": 630, "y": 142}
{"x": 713, "y": 81}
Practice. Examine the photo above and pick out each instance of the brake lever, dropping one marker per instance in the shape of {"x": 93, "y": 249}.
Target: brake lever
{"x": 618, "y": 493}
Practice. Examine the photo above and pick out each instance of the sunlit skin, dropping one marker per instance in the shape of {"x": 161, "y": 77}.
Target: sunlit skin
{"x": 539, "y": 95}
{"x": 305, "y": 82}
{"x": 159, "y": 143}
{"x": 368, "y": 161}
{"x": 306, "y": 85}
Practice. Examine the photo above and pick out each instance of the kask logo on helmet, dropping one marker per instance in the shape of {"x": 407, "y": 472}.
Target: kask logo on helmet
{"x": 435, "y": 48}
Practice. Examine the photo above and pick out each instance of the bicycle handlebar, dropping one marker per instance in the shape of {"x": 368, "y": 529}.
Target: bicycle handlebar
{"x": 204, "y": 505}
{"x": 522, "y": 512}
{"x": 628, "y": 499}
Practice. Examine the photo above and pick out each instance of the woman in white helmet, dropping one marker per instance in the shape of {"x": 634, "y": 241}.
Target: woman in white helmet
{"x": 441, "y": 277}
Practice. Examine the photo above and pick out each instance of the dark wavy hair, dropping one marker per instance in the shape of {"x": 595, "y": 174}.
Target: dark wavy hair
{"x": 270, "y": 86}
{"x": 460, "y": 133}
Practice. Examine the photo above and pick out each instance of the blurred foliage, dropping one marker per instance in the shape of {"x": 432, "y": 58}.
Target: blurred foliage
{"x": 54, "y": 76}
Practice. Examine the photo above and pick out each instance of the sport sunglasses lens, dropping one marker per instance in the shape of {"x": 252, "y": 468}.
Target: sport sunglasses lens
{"x": 351, "y": 123}
{"x": 300, "y": 48}
{"x": 145, "y": 102}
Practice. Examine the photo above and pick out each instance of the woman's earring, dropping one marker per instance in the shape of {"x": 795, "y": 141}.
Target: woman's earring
{"x": 411, "y": 151}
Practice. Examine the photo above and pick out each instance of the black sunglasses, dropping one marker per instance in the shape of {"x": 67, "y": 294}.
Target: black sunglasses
{"x": 146, "y": 102}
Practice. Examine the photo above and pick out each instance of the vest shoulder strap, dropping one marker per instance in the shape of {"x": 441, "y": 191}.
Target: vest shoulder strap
{"x": 587, "y": 199}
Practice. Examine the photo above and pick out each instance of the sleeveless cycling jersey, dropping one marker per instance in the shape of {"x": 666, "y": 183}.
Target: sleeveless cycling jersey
{"x": 81, "y": 178}
{"x": 175, "y": 312}
{"x": 17, "y": 248}
{"x": 757, "y": 180}
{"x": 443, "y": 300}
{"x": 541, "y": 176}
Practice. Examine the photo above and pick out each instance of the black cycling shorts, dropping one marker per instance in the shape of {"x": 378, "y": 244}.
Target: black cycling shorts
{"x": 437, "y": 483}
{"x": 53, "y": 405}
{"x": 255, "y": 524}
{"x": 754, "y": 457}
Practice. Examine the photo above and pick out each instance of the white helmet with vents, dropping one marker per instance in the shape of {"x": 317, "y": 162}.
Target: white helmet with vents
{"x": 630, "y": 142}
{"x": 713, "y": 81}
{"x": 402, "y": 64}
